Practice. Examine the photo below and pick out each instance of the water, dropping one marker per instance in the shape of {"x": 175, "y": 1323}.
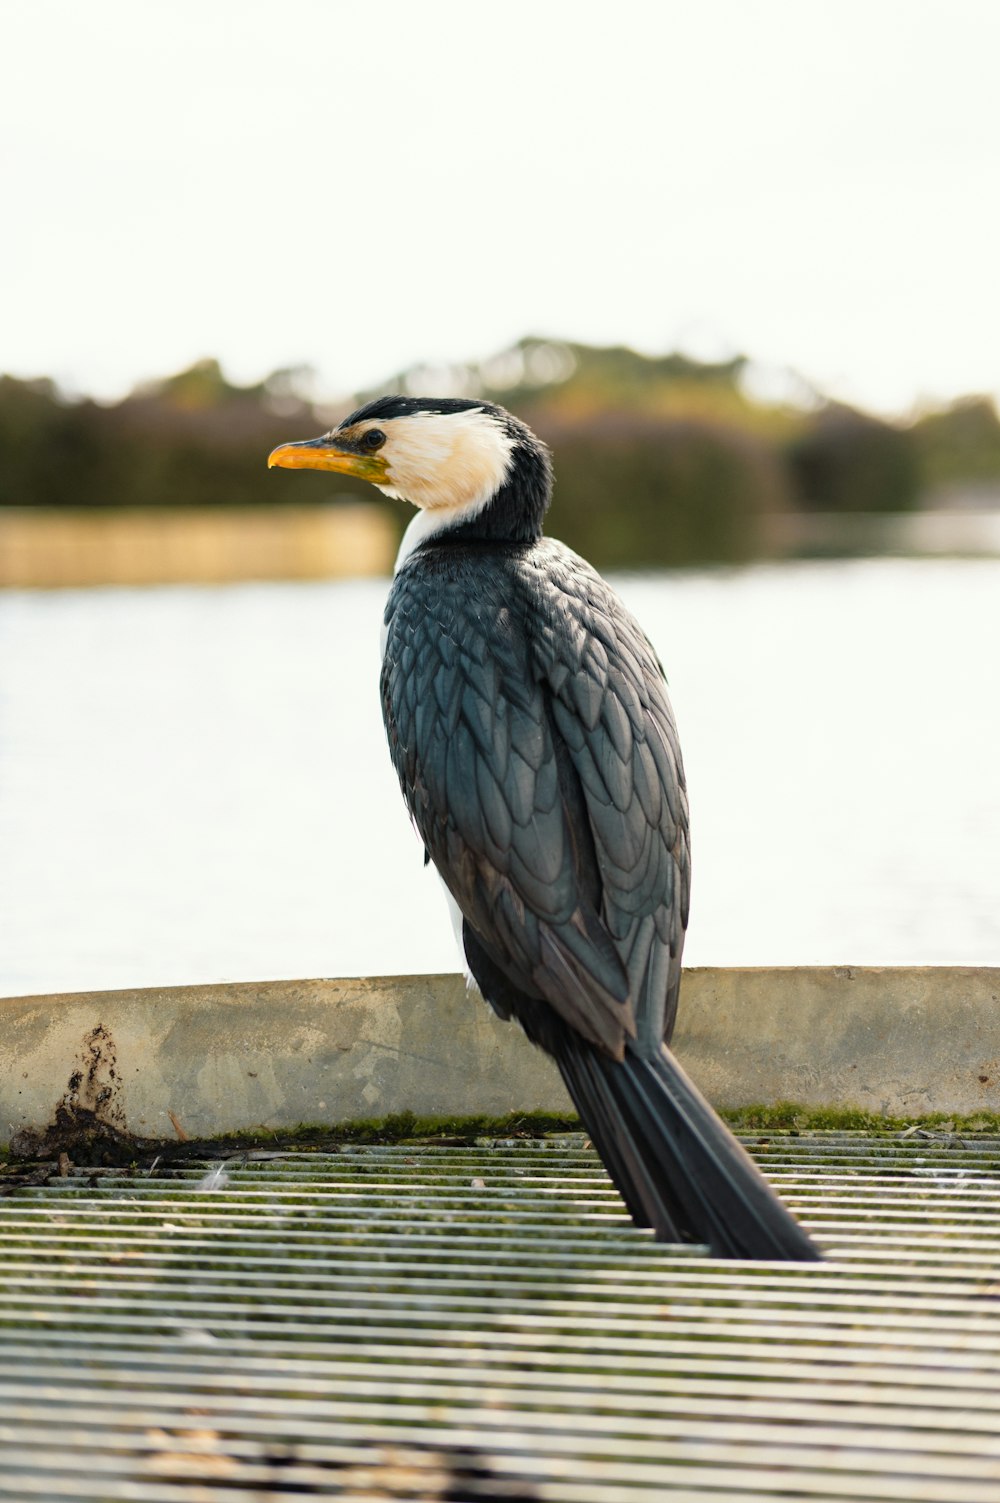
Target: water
{"x": 194, "y": 784}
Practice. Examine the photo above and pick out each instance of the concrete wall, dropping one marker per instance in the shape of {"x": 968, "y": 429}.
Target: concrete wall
{"x": 203, "y": 1060}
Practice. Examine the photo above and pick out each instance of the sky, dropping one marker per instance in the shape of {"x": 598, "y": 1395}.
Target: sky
{"x": 363, "y": 187}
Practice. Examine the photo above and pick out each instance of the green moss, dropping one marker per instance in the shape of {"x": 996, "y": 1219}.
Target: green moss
{"x": 404, "y": 1127}
{"x": 788, "y": 1116}
{"x": 93, "y": 1148}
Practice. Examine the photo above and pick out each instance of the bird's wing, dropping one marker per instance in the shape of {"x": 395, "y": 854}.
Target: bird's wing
{"x": 611, "y": 709}
{"x": 472, "y": 742}
{"x": 535, "y": 781}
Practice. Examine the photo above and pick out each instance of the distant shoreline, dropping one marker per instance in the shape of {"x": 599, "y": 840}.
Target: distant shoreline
{"x": 70, "y": 547}
{"x": 76, "y": 547}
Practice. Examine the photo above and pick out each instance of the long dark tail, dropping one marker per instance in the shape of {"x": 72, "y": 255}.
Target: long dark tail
{"x": 678, "y": 1167}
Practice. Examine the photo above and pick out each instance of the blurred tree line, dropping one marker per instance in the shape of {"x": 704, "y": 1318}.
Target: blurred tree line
{"x": 659, "y": 461}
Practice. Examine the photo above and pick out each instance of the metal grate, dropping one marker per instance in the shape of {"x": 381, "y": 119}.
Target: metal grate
{"x": 483, "y": 1322}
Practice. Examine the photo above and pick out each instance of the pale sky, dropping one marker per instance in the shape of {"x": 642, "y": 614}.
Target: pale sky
{"x": 368, "y": 185}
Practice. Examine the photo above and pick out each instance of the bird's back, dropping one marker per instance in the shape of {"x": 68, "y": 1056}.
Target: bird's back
{"x": 530, "y": 727}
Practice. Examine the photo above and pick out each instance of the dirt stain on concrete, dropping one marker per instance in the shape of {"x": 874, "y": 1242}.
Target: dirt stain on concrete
{"x": 89, "y": 1118}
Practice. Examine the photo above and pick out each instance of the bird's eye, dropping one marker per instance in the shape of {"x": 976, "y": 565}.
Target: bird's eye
{"x": 373, "y": 439}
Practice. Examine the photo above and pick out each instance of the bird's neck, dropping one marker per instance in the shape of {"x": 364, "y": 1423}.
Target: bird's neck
{"x": 513, "y": 514}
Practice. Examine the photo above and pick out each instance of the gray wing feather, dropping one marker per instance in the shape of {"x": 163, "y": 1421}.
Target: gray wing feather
{"x": 611, "y": 707}
{"x": 578, "y": 893}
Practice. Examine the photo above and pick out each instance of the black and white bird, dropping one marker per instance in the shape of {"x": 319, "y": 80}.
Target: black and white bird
{"x": 529, "y": 724}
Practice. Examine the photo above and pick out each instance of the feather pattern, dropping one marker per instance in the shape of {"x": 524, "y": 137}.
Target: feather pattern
{"x": 581, "y": 845}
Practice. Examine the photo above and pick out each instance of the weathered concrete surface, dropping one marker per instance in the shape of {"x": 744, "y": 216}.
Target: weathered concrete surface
{"x": 211, "y": 1059}
{"x": 215, "y": 1059}
{"x": 902, "y": 1040}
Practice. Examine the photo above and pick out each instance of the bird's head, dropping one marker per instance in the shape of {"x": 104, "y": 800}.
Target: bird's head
{"x": 461, "y": 462}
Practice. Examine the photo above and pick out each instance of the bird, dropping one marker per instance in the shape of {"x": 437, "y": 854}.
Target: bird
{"x": 530, "y": 727}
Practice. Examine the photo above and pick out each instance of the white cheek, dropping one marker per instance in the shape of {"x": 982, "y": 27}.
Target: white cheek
{"x": 448, "y": 463}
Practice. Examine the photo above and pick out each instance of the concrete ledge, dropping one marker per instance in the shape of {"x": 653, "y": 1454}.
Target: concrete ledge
{"x": 901, "y": 1041}
{"x": 203, "y": 1060}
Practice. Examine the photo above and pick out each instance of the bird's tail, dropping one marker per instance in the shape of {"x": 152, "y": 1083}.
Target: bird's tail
{"x": 677, "y": 1166}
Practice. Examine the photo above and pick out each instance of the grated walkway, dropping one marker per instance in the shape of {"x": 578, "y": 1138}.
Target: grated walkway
{"x": 425, "y": 1322}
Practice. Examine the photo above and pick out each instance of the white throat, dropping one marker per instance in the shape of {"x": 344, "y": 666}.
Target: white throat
{"x": 426, "y": 524}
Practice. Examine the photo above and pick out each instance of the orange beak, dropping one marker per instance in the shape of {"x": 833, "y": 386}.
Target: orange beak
{"x": 327, "y": 454}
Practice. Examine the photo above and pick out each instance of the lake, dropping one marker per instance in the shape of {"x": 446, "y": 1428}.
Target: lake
{"x": 194, "y": 784}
